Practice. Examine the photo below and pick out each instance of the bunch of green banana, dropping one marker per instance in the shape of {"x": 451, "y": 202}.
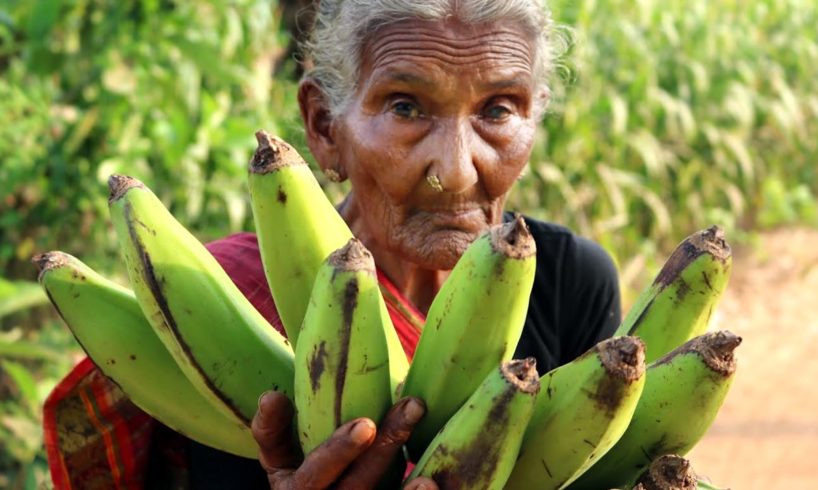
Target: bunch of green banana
{"x": 297, "y": 228}
{"x": 582, "y": 410}
{"x": 228, "y": 351}
{"x": 679, "y": 303}
{"x": 478, "y": 446}
{"x": 474, "y": 323}
{"x": 683, "y": 393}
{"x": 341, "y": 361}
{"x": 667, "y": 472}
{"x": 108, "y": 323}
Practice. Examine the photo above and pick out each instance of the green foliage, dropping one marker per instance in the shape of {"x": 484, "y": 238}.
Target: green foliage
{"x": 170, "y": 92}
{"x": 19, "y": 295}
{"x": 676, "y": 115}
{"x": 31, "y": 364}
{"x": 672, "y": 115}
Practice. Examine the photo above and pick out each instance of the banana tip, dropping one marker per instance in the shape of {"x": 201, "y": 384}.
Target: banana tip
{"x": 716, "y": 349}
{"x": 49, "y": 260}
{"x": 522, "y": 373}
{"x": 272, "y": 153}
{"x": 707, "y": 242}
{"x": 118, "y": 185}
{"x": 513, "y": 239}
{"x": 724, "y": 343}
{"x": 713, "y": 240}
{"x": 353, "y": 256}
{"x": 623, "y": 357}
{"x": 669, "y": 471}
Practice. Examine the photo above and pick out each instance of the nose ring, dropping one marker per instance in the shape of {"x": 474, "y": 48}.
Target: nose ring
{"x": 434, "y": 183}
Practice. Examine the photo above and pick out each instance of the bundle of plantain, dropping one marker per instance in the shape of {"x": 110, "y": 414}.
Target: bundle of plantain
{"x": 185, "y": 332}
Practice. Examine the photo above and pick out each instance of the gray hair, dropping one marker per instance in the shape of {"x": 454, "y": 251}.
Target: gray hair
{"x": 341, "y": 28}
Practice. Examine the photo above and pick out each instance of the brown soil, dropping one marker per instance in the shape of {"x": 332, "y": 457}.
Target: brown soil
{"x": 766, "y": 434}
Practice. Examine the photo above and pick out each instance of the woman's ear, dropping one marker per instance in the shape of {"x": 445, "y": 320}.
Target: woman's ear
{"x": 319, "y": 129}
{"x": 541, "y": 100}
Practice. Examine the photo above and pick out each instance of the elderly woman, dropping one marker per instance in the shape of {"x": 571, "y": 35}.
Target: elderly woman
{"x": 429, "y": 109}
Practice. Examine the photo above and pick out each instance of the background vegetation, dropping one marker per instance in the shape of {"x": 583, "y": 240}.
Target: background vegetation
{"x": 668, "y": 116}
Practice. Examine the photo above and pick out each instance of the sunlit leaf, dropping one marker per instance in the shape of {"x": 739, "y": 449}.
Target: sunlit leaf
{"x": 19, "y": 295}
{"x": 24, "y": 382}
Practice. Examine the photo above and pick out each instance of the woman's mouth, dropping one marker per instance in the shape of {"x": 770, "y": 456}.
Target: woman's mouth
{"x": 471, "y": 219}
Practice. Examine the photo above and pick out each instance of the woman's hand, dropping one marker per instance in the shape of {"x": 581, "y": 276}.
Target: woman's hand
{"x": 355, "y": 456}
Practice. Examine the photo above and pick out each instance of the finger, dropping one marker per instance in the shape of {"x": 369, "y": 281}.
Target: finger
{"x": 326, "y": 463}
{"x": 272, "y": 430}
{"x": 421, "y": 483}
{"x": 393, "y": 433}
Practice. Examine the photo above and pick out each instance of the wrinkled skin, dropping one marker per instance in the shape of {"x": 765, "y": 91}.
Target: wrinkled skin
{"x": 438, "y": 99}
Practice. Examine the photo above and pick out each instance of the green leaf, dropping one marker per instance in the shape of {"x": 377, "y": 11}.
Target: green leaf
{"x": 18, "y": 296}
{"x": 24, "y": 381}
{"x": 21, "y": 349}
{"x": 43, "y": 17}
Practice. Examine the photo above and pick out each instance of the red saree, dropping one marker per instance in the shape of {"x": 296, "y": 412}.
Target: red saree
{"x": 95, "y": 438}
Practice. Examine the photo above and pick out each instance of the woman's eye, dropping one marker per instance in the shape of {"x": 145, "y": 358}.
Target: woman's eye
{"x": 405, "y": 109}
{"x": 497, "y": 112}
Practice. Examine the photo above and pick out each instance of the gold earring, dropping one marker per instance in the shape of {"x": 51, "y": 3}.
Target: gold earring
{"x": 332, "y": 175}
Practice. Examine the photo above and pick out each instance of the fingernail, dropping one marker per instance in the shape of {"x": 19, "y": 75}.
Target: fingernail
{"x": 413, "y": 411}
{"x": 362, "y": 431}
{"x": 262, "y": 396}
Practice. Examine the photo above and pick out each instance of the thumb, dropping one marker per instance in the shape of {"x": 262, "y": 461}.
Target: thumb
{"x": 272, "y": 430}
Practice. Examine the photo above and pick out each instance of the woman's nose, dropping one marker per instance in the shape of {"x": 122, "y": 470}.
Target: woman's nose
{"x": 454, "y": 157}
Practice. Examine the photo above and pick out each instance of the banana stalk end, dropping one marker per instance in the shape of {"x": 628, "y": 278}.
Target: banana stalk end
{"x": 668, "y": 472}
{"x": 119, "y": 185}
{"x": 50, "y": 260}
{"x": 705, "y": 242}
{"x": 273, "y": 153}
{"x": 522, "y": 373}
{"x": 712, "y": 239}
{"x": 715, "y": 348}
{"x": 623, "y": 357}
{"x": 513, "y": 239}
{"x": 352, "y": 257}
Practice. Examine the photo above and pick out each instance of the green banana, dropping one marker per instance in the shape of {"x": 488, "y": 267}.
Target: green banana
{"x": 474, "y": 322}
{"x": 228, "y": 351}
{"x": 297, "y": 228}
{"x": 678, "y": 304}
{"x": 582, "y": 410}
{"x": 341, "y": 361}
{"x": 107, "y": 321}
{"x": 668, "y": 472}
{"x": 683, "y": 393}
{"x": 296, "y": 225}
{"x": 477, "y": 448}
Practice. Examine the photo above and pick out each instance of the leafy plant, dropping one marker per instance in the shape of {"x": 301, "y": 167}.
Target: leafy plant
{"x": 669, "y": 116}
{"x": 675, "y": 115}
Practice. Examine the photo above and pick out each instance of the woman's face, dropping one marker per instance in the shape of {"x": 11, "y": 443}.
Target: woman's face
{"x": 436, "y": 99}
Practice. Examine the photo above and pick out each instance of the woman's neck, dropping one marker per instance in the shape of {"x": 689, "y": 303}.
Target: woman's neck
{"x": 417, "y": 284}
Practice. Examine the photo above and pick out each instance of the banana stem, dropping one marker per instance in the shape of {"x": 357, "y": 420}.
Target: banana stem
{"x": 669, "y": 472}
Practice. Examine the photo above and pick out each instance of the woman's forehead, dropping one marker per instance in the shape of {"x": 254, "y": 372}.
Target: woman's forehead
{"x": 407, "y": 49}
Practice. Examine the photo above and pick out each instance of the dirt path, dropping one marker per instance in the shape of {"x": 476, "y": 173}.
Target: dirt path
{"x": 766, "y": 435}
